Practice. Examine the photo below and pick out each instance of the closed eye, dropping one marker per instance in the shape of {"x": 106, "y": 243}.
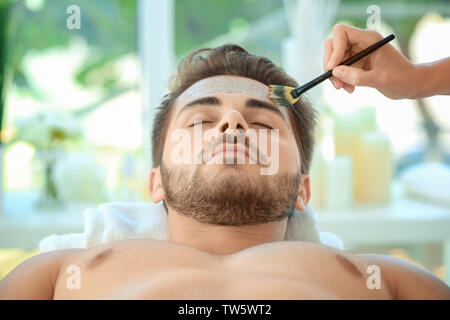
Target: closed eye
{"x": 262, "y": 124}
{"x": 199, "y": 122}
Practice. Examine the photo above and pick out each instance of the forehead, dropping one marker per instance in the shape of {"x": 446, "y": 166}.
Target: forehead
{"x": 225, "y": 84}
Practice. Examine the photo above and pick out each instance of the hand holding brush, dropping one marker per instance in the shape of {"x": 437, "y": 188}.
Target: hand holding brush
{"x": 386, "y": 70}
{"x": 287, "y": 95}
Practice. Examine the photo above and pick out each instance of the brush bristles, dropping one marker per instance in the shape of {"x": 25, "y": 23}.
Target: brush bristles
{"x": 282, "y": 95}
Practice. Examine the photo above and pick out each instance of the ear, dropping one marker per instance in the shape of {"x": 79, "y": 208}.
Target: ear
{"x": 304, "y": 194}
{"x": 155, "y": 185}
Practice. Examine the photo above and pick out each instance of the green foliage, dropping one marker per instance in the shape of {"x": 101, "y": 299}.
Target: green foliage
{"x": 199, "y": 21}
{"x": 109, "y": 27}
{"x": 4, "y": 12}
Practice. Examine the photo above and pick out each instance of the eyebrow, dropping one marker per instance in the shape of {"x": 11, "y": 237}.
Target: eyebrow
{"x": 249, "y": 103}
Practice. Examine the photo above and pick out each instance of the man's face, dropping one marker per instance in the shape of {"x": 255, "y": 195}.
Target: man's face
{"x": 230, "y": 156}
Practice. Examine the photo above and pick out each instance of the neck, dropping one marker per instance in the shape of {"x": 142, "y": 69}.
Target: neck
{"x": 219, "y": 239}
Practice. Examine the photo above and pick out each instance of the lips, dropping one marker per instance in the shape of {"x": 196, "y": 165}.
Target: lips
{"x": 235, "y": 149}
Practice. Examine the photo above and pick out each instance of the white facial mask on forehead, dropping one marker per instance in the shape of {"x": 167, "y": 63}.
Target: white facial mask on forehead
{"x": 226, "y": 84}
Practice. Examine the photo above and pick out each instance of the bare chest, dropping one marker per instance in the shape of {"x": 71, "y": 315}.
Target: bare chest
{"x": 162, "y": 270}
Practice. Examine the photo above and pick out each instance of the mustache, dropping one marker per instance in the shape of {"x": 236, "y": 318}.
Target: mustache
{"x": 232, "y": 139}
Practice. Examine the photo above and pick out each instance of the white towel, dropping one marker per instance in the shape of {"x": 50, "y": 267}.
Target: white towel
{"x": 428, "y": 181}
{"x": 147, "y": 220}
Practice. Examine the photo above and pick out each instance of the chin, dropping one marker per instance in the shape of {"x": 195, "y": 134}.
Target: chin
{"x": 231, "y": 166}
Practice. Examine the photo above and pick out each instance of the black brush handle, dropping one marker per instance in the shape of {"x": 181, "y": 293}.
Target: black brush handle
{"x": 303, "y": 88}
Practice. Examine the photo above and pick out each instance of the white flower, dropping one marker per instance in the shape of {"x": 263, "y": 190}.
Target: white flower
{"x": 48, "y": 129}
{"x": 79, "y": 177}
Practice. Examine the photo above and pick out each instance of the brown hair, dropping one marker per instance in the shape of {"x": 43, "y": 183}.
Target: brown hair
{"x": 234, "y": 60}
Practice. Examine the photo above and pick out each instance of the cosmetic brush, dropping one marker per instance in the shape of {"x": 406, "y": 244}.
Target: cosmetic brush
{"x": 287, "y": 96}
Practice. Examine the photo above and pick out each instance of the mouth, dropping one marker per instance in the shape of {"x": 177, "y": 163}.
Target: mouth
{"x": 233, "y": 150}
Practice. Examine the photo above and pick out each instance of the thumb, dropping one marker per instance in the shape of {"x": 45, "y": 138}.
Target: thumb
{"x": 354, "y": 76}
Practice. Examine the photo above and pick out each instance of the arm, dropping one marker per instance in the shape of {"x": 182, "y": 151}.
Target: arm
{"x": 34, "y": 278}
{"x": 408, "y": 281}
{"x": 435, "y": 78}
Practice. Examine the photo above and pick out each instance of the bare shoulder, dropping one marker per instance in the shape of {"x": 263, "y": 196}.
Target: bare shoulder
{"x": 407, "y": 280}
{"x": 118, "y": 248}
{"x": 35, "y": 277}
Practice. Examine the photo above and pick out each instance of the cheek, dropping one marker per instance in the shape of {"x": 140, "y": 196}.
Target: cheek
{"x": 182, "y": 146}
{"x": 288, "y": 156}
{"x": 281, "y": 152}
{"x": 178, "y": 148}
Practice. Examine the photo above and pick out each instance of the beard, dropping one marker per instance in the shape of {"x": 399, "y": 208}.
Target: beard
{"x": 229, "y": 198}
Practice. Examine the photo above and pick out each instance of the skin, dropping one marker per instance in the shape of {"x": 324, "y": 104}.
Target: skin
{"x": 208, "y": 261}
{"x": 212, "y": 238}
{"x": 385, "y": 69}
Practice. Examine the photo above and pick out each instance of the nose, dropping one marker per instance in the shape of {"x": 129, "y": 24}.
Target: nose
{"x": 232, "y": 121}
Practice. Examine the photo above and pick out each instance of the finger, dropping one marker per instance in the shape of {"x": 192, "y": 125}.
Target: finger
{"x": 338, "y": 84}
{"x": 349, "y": 88}
{"x": 328, "y": 49}
{"x": 334, "y": 83}
{"x": 345, "y": 36}
{"x": 340, "y": 44}
{"x": 354, "y": 76}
